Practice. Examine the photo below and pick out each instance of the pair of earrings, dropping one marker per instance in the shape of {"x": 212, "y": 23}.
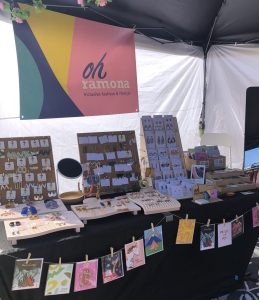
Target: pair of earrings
{"x": 52, "y": 194}
{"x": 38, "y": 198}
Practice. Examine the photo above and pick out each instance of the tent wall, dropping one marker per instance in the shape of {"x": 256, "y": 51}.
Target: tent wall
{"x": 170, "y": 81}
{"x": 230, "y": 71}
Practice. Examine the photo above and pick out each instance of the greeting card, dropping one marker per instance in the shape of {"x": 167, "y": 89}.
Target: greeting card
{"x": 255, "y": 213}
{"x": 207, "y": 237}
{"x": 237, "y": 227}
{"x": 59, "y": 279}
{"x": 224, "y": 234}
{"x": 185, "y": 231}
{"x": 112, "y": 266}
{"x": 153, "y": 240}
{"x": 27, "y": 274}
{"x": 135, "y": 255}
{"x": 86, "y": 275}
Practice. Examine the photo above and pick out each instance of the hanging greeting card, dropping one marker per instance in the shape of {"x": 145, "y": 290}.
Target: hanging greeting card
{"x": 207, "y": 237}
{"x": 135, "y": 255}
{"x": 237, "y": 227}
{"x": 185, "y": 231}
{"x": 59, "y": 279}
{"x": 255, "y": 213}
{"x": 153, "y": 238}
{"x": 86, "y": 275}
{"x": 27, "y": 274}
{"x": 224, "y": 234}
{"x": 112, "y": 266}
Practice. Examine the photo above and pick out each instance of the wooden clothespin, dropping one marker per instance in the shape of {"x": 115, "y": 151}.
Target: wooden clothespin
{"x": 59, "y": 261}
{"x": 257, "y": 205}
{"x": 28, "y": 258}
{"x": 224, "y": 221}
{"x": 86, "y": 258}
{"x": 236, "y": 217}
{"x": 186, "y": 217}
{"x": 208, "y": 223}
{"x": 152, "y": 226}
{"x": 133, "y": 239}
{"x": 111, "y": 249}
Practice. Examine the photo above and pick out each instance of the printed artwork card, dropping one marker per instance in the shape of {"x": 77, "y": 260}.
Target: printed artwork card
{"x": 224, "y": 234}
{"x": 255, "y": 213}
{"x": 185, "y": 231}
{"x": 58, "y": 279}
{"x": 86, "y": 275}
{"x": 27, "y": 274}
{"x": 207, "y": 237}
{"x": 153, "y": 238}
{"x": 237, "y": 227}
{"x": 198, "y": 173}
{"x": 112, "y": 266}
{"x": 135, "y": 255}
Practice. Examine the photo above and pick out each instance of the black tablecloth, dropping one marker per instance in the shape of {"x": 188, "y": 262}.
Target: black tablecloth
{"x": 179, "y": 272}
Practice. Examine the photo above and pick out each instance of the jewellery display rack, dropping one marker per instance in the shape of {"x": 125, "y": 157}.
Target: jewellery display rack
{"x": 95, "y": 209}
{"x": 41, "y": 207}
{"x": 26, "y": 170}
{"x": 110, "y": 161}
{"x": 34, "y": 226}
{"x": 231, "y": 181}
{"x": 153, "y": 202}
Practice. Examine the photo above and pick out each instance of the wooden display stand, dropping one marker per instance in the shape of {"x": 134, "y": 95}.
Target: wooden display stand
{"x": 159, "y": 145}
{"x": 153, "y": 202}
{"x": 215, "y": 163}
{"x": 110, "y": 161}
{"x": 230, "y": 181}
{"x": 26, "y": 228}
{"x": 26, "y": 169}
{"x": 95, "y": 209}
{"x": 15, "y": 213}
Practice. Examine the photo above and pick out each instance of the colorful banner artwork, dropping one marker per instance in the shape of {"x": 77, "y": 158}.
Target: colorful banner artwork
{"x": 72, "y": 67}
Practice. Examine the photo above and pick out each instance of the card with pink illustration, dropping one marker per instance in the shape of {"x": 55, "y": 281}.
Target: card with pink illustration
{"x": 86, "y": 275}
{"x": 224, "y": 234}
{"x": 255, "y": 213}
{"x": 135, "y": 254}
{"x": 112, "y": 266}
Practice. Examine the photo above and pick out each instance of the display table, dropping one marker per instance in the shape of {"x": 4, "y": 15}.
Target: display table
{"x": 179, "y": 272}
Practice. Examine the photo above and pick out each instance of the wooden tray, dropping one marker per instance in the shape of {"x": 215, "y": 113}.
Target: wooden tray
{"x": 95, "y": 209}
{"x": 44, "y": 224}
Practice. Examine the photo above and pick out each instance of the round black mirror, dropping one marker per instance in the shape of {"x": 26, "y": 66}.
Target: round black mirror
{"x": 69, "y": 168}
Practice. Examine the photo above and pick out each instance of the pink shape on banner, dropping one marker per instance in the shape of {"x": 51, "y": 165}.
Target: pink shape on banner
{"x": 102, "y": 74}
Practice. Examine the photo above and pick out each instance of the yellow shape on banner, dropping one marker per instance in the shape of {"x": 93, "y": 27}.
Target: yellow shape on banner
{"x": 54, "y": 33}
{"x": 185, "y": 231}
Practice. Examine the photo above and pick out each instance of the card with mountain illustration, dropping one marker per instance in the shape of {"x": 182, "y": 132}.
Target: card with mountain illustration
{"x": 153, "y": 238}
{"x": 27, "y": 274}
{"x": 185, "y": 231}
{"x": 207, "y": 240}
{"x": 112, "y": 266}
{"x": 86, "y": 275}
{"x": 59, "y": 279}
{"x": 135, "y": 254}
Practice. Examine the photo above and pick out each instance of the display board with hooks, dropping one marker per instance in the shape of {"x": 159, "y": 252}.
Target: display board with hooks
{"x": 26, "y": 170}
{"x": 110, "y": 161}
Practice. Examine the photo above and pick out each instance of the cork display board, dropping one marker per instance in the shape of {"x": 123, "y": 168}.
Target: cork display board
{"x": 110, "y": 161}
{"x": 26, "y": 169}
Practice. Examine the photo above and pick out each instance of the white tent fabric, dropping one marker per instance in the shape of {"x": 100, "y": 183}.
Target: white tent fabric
{"x": 230, "y": 71}
{"x": 170, "y": 81}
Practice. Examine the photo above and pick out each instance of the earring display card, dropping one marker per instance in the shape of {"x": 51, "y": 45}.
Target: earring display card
{"x": 110, "y": 161}
{"x": 26, "y": 169}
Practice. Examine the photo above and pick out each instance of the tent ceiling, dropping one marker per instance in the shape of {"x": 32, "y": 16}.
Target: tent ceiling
{"x": 198, "y": 22}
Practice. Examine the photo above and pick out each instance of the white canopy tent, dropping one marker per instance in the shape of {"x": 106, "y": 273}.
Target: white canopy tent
{"x": 170, "y": 81}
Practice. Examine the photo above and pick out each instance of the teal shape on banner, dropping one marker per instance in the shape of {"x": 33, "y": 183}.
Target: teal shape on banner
{"x": 31, "y": 88}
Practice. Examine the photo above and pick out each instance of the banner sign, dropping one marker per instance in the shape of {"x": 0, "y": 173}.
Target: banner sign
{"x": 71, "y": 67}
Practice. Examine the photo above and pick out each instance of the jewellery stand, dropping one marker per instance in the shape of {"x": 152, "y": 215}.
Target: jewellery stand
{"x": 70, "y": 168}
